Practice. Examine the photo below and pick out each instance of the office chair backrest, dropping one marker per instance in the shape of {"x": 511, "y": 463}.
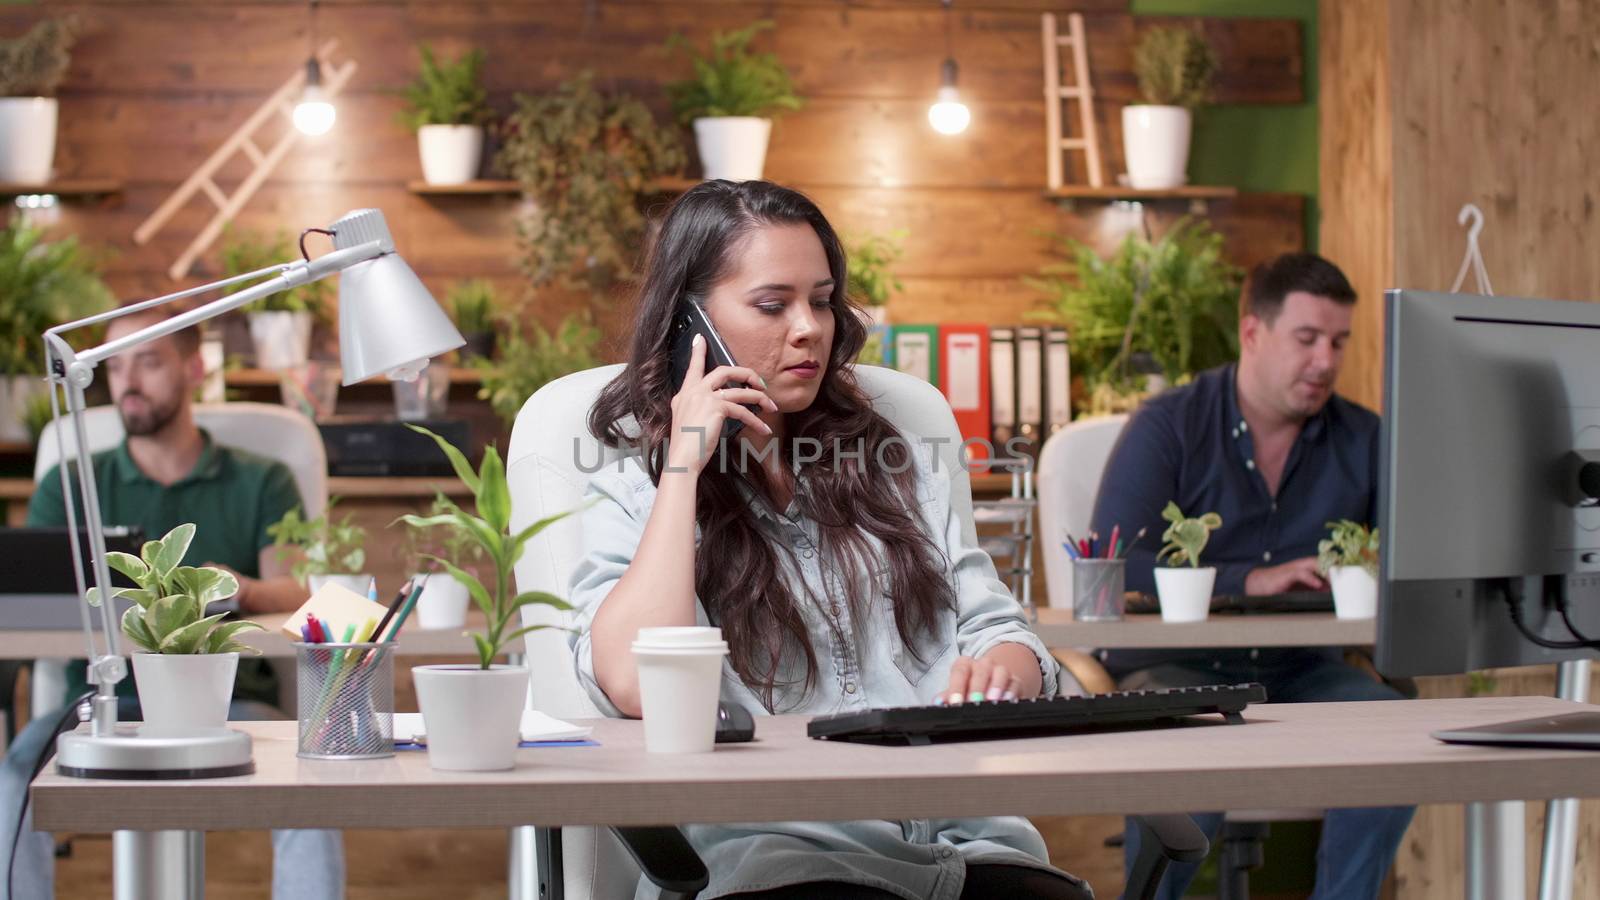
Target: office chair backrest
{"x": 264, "y": 429}
{"x": 1070, "y": 465}
{"x": 545, "y": 465}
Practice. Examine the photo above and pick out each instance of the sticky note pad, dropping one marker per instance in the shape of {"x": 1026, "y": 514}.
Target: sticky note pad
{"x": 336, "y": 605}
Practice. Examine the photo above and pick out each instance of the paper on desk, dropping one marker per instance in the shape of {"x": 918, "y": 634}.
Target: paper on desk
{"x": 536, "y": 726}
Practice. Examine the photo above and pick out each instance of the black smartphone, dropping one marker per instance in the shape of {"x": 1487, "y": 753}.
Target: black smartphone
{"x": 688, "y": 321}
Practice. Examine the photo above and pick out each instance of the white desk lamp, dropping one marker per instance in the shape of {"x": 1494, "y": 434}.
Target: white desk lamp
{"x": 388, "y": 323}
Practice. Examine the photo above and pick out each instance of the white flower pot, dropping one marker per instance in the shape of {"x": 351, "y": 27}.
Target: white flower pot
{"x": 732, "y": 147}
{"x": 450, "y": 153}
{"x": 357, "y": 583}
{"x": 27, "y": 139}
{"x": 443, "y": 603}
{"x": 282, "y": 339}
{"x": 1155, "y": 140}
{"x": 1185, "y": 593}
{"x": 185, "y": 689}
{"x": 472, "y": 716}
{"x": 1355, "y": 592}
{"x": 16, "y": 391}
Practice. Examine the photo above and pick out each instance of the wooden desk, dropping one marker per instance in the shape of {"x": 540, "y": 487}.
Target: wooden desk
{"x": 272, "y": 643}
{"x": 1057, "y": 629}
{"x": 1289, "y": 755}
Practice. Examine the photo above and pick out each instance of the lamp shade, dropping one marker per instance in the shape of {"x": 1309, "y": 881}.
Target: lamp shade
{"x": 388, "y": 321}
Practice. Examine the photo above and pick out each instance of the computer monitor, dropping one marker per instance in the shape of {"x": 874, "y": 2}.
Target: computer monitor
{"x": 1489, "y": 482}
{"x": 37, "y": 588}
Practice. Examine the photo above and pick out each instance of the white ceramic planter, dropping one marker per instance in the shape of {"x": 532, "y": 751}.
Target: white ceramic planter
{"x": 16, "y": 391}
{"x": 732, "y": 147}
{"x": 472, "y": 716}
{"x": 1185, "y": 593}
{"x": 1355, "y": 592}
{"x": 443, "y": 603}
{"x": 282, "y": 339}
{"x": 185, "y": 689}
{"x": 877, "y": 315}
{"x": 357, "y": 583}
{"x": 450, "y": 153}
{"x": 27, "y": 139}
{"x": 1155, "y": 141}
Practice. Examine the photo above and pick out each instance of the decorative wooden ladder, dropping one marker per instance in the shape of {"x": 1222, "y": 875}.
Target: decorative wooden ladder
{"x": 242, "y": 141}
{"x": 1055, "y": 94}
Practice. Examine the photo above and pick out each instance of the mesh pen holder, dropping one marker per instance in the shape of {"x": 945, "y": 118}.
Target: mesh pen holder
{"x": 1097, "y": 589}
{"x": 346, "y": 703}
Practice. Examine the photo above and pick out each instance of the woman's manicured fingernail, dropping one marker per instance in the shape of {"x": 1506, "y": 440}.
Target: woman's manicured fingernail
{"x": 698, "y": 340}
{"x": 763, "y": 382}
{"x": 993, "y": 694}
{"x": 955, "y": 698}
{"x": 975, "y": 696}
{"x": 1009, "y": 695}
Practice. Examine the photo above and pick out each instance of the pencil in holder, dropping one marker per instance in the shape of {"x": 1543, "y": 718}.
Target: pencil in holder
{"x": 1097, "y": 586}
{"x": 346, "y": 703}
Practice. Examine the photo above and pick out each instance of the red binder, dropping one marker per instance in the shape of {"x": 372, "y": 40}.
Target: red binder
{"x": 964, "y": 378}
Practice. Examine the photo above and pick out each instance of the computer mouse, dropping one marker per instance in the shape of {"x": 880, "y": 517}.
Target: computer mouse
{"x": 735, "y": 725}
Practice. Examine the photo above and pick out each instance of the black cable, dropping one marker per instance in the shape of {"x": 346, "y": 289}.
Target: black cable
{"x": 1516, "y": 619}
{"x": 69, "y": 715}
{"x": 1561, "y": 606}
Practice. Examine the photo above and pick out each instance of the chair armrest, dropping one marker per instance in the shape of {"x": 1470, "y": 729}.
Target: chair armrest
{"x": 1093, "y": 676}
{"x": 665, "y": 857}
{"x": 1163, "y": 839}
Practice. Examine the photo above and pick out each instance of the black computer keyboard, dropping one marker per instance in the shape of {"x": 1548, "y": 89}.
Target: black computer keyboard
{"x": 1035, "y": 718}
{"x": 1292, "y": 601}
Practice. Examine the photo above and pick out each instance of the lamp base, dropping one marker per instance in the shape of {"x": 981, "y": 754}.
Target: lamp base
{"x": 144, "y": 752}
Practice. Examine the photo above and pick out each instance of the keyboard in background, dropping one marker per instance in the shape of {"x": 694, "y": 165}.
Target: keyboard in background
{"x": 1291, "y": 602}
{"x": 1036, "y": 718}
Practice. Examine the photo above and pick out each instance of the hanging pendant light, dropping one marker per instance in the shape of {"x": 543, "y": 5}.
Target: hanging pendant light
{"x": 314, "y": 115}
{"x": 948, "y": 115}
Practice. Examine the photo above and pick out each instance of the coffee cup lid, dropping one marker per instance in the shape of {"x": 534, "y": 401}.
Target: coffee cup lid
{"x": 678, "y": 636}
{"x": 716, "y": 647}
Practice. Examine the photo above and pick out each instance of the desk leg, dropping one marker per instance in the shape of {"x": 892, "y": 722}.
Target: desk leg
{"x": 1561, "y": 816}
{"x": 1496, "y": 863}
{"x": 159, "y": 865}
{"x": 523, "y": 880}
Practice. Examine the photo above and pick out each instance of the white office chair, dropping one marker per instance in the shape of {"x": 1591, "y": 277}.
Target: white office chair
{"x": 264, "y": 429}
{"x": 1070, "y": 465}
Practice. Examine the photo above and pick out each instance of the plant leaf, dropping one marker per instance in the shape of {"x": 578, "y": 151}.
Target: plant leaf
{"x": 133, "y": 626}
{"x": 173, "y": 547}
{"x": 206, "y": 584}
{"x": 190, "y": 638}
{"x": 169, "y": 614}
{"x": 458, "y": 461}
{"x": 480, "y": 594}
{"x": 527, "y": 597}
{"x": 486, "y": 650}
{"x": 522, "y": 631}
{"x": 129, "y": 565}
{"x": 494, "y": 495}
{"x": 221, "y": 638}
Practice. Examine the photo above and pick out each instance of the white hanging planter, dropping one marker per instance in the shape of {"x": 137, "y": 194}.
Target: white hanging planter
{"x": 282, "y": 339}
{"x": 450, "y": 153}
{"x": 1355, "y": 592}
{"x": 732, "y": 147}
{"x": 1185, "y": 593}
{"x": 354, "y": 582}
{"x": 16, "y": 391}
{"x": 185, "y": 689}
{"x": 443, "y": 603}
{"x": 27, "y": 139}
{"x": 472, "y": 716}
{"x": 1155, "y": 141}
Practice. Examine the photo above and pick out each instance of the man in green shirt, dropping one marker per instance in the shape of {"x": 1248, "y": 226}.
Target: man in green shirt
{"x": 167, "y": 472}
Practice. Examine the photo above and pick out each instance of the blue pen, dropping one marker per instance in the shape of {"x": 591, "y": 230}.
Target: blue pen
{"x": 372, "y": 589}
{"x": 1071, "y": 551}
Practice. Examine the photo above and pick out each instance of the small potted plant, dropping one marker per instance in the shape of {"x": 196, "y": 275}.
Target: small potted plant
{"x": 280, "y": 325}
{"x": 1183, "y": 586}
{"x": 1175, "y": 67}
{"x": 447, "y": 107}
{"x": 42, "y": 284}
{"x": 472, "y": 712}
{"x": 731, "y": 101}
{"x": 323, "y": 550}
{"x": 1348, "y": 558}
{"x": 185, "y": 672}
{"x": 31, "y": 67}
{"x": 472, "y": 304}
{"x": 869, "y": 281}
{"x": 525, "y": 365}
{"x": 443, "y": 603}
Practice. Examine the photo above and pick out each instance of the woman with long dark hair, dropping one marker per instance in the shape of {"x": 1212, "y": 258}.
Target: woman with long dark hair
{"x": 820, "y": 540}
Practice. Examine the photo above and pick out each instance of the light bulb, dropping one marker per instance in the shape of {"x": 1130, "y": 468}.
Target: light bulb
{"x": 949, "y": 115}
{"x": 314, "y": 115}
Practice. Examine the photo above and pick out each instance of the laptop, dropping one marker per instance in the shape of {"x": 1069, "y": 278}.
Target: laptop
{"x": 1578, "y": 730}
{"x": 38, "y": 590}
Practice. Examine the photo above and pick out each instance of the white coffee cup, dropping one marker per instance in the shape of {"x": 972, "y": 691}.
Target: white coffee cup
{"x": 680, "y": 678}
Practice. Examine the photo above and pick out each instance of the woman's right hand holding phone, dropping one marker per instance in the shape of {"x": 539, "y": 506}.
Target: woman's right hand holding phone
{"x": 706, "y": 401}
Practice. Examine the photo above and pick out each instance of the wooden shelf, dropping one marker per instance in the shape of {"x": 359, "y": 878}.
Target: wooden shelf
{"x": 1187, "y": 192}
{"x": 670, "y": 185}
{"x": 348, "y": 487}
{"x": 70, "y": 187}
{"x": 269, "y": 377}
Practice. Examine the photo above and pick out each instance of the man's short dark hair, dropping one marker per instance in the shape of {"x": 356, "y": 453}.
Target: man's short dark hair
{"x": 186, "y": 339}
{"x": 1271, "y": 282}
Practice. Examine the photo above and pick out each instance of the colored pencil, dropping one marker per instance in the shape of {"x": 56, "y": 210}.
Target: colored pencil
{"x": 405, "y": 612}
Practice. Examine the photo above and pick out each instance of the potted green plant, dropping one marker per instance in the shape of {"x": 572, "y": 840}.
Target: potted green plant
{"x": 280, "y": 325}
{"x": 323, "y": 550}
{"x": 42, "y": 284}
{"x": 188, "y": 661}
{"x": 1175, "y": 67}
{"x": 31, "y": 67}
{"x": 583, "y": 159}
{"x": 1168, "y": 303}
{"x": 443, "y": 602}
{"x": 869, "y": 280}
{"x": 1348, "y": 558}
{"x": 473, "y": 304}
{"x": 731, "y": 101}
{"x": 472, "y": 712}
{"x": 525, "y": 364}
{"x": 1183, "y": 586}
{"x": 447, "y": 107}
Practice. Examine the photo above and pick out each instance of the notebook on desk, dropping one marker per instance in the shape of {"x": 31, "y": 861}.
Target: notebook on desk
{"x": 37, "y": 588}
{"x": 1240, "y": 604}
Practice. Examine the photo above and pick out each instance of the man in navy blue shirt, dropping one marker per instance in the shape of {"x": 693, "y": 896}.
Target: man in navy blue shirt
{"x": 1266, "y": 444}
